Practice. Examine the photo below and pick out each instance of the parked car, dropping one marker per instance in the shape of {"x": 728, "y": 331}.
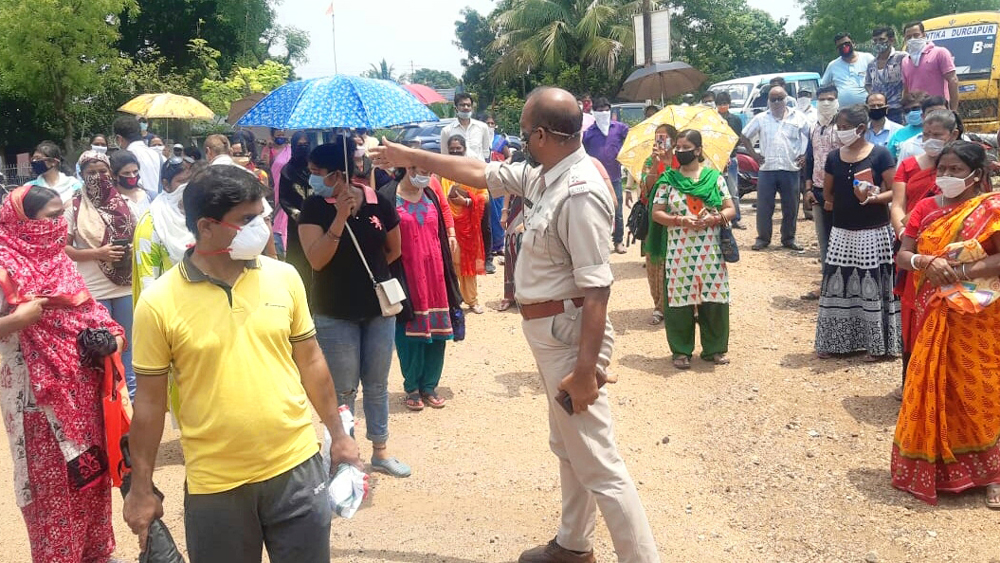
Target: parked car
{"x": 749, "y": 94}
{"x": 428, "y": 133}
{"x": 629, "y": 113}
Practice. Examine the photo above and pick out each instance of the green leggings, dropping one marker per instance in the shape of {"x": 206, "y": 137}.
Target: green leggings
{"x": 714, "y": 321}
{"x": 421, "y": 361}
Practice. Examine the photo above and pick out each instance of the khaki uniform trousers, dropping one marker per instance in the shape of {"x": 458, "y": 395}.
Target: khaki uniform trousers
{"x": 591, "y": 471}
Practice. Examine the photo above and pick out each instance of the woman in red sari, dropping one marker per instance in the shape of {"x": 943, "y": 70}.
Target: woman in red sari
{"x": 949, "y": 422}
{"x": 51, "y": 404}
{"x": 914, "y": 181}
{"x": 468, "y": 206}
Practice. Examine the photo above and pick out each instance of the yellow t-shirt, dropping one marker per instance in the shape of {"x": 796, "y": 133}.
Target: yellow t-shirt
{"x": 243, "y": 413}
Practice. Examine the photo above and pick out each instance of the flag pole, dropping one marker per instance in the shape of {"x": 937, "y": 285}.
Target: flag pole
{"x": 333, "y": 25}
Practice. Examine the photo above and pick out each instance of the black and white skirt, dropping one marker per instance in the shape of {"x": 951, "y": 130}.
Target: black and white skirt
{"x": 858, "y": 311}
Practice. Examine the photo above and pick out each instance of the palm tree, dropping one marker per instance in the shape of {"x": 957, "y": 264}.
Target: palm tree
{"x": 383, "y": 71}
{"x": 542, "y": 34}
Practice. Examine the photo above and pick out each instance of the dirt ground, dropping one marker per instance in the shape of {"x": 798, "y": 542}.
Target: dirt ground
{"x": 777, "y": 457}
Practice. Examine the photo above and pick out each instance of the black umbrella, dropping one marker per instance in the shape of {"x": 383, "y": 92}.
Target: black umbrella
{"x": 661, "y": 80}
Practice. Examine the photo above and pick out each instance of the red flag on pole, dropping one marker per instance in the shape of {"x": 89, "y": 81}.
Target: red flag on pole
{"x": 329, "y": 9}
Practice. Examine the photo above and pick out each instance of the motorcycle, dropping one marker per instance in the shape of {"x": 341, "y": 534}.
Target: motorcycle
{"x": 746, "y": 179}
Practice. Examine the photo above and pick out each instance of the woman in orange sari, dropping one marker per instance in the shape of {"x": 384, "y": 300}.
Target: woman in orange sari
{"x": 914, "y": 181}
{"x": 949, "y": 422}
{"x": 468, "y": 206}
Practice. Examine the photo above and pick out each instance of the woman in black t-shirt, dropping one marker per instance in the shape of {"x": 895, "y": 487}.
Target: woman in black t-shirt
{"x": 356, "y": 339}
{"x": 858, "y": 310}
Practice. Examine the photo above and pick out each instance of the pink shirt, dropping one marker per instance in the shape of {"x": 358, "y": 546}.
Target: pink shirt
{"x": 935, "y": 63}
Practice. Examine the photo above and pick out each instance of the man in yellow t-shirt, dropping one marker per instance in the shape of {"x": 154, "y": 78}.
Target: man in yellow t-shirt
{"x": 236, "y": 330}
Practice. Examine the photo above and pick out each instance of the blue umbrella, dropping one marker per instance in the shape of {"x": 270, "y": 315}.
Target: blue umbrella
{"x": 337, "y": 101}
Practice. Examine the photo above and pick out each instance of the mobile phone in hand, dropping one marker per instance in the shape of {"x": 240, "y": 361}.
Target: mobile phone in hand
{"x": 566, "y": 402}
{"x": 121, "y": 242}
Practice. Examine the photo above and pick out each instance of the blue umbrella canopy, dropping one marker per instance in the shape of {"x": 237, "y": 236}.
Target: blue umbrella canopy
{"x": 337, "y": 101}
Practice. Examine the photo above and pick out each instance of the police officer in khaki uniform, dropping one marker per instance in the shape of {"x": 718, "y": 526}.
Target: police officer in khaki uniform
{"x": 563, "y": 282}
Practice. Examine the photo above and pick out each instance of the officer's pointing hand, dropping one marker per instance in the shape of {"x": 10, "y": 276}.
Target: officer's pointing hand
{"x": 392, "y": 155}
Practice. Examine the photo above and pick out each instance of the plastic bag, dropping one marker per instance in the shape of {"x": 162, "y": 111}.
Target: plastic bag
{"x": 348, "y": 485}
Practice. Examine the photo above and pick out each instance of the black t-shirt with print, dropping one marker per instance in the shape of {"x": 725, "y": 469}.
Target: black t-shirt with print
{"x": 848, "y": 213}
{"x": 342, "y": 289}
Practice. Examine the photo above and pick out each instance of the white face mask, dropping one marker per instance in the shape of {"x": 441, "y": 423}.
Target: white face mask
{"x": 802, "y": 104}
{"x": 464, "y": 114}
{"x": 915, "y": 46}
{"x": 847, "y": 137}
{"x": 420, "y": 181}
{"x": 99, "y": 149}
{"x": 603, "y": 120}
{"x": 952, "y": 187}
{"x": 250, "y": 240}
{"x": 933, "y": 147}
{"x": 827, "y": 108}
{"x": 359, "y": 152}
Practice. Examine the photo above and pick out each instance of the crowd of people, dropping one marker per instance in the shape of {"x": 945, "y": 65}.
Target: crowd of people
{"x": 265, "y": 273}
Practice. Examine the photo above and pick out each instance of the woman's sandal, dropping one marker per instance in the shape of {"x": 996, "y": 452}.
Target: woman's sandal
{"x": 413, "y": 402}
{"x": 720, "y": 359}
{"x": 433, "y": 400}
{"x": 657, "y": 318}
{"x": 504, "y": 305}
{"x": 993, "y": 496}
{"x": 682, "y": 362}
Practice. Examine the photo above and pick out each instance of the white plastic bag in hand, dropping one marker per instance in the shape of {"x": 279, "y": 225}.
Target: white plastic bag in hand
{"x": 348, "y": 485}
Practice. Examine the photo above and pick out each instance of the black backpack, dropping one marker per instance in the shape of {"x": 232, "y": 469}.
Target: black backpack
{"x": 638, "y": 221}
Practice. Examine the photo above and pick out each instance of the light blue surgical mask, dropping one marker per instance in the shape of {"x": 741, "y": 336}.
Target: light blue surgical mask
{"x": 318, "y": 184}
{"x": 915, "y": 118}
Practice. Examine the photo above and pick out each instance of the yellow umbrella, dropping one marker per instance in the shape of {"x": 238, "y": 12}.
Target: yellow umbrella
{"x": 167, "y": 106}
{"x": 718, "y": 139}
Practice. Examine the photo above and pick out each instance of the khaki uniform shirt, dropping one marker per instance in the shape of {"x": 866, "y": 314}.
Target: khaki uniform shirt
{"x": 568, "y": 216}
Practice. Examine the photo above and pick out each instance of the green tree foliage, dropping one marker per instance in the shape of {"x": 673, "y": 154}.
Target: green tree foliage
{"x": 57, "y": 53}
{"x": 434, "y": 78}
{"x": 541, "y": 35}
{"x": 826, "y": 18}
{"x": 726, "y": 38}
{"x": 292, "y": 43}
{"x": 383, "y": 71}
{"x": 241, "y": 82}
{"x": 474, "y": 34}
{"x": 234, "y": 27}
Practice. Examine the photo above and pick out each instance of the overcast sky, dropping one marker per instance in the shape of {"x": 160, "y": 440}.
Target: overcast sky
{"x": 405, "y": 32}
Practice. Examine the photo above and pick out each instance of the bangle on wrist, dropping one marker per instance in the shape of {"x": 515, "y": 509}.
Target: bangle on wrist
{"x": 913, "y": 262}
{"x": 333, "y": 237}
{"x": 965, "y": 274}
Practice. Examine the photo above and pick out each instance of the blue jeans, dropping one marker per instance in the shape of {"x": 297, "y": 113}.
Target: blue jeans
{"x": 360, "y": 352}
{"x": 619, "y": 233}
{"x": 824, "y": 224}
{"x": 121, "y": 311}
{"x": 771, "y": 184}
{"x": 733, "y": 183}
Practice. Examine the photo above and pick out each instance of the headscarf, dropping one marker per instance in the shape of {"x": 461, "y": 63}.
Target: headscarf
{"x": 33, "y": 264}
{"x": 103, "y": 216}
{"x": 169, "y": 223}
{"x": 92, "y": 156}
